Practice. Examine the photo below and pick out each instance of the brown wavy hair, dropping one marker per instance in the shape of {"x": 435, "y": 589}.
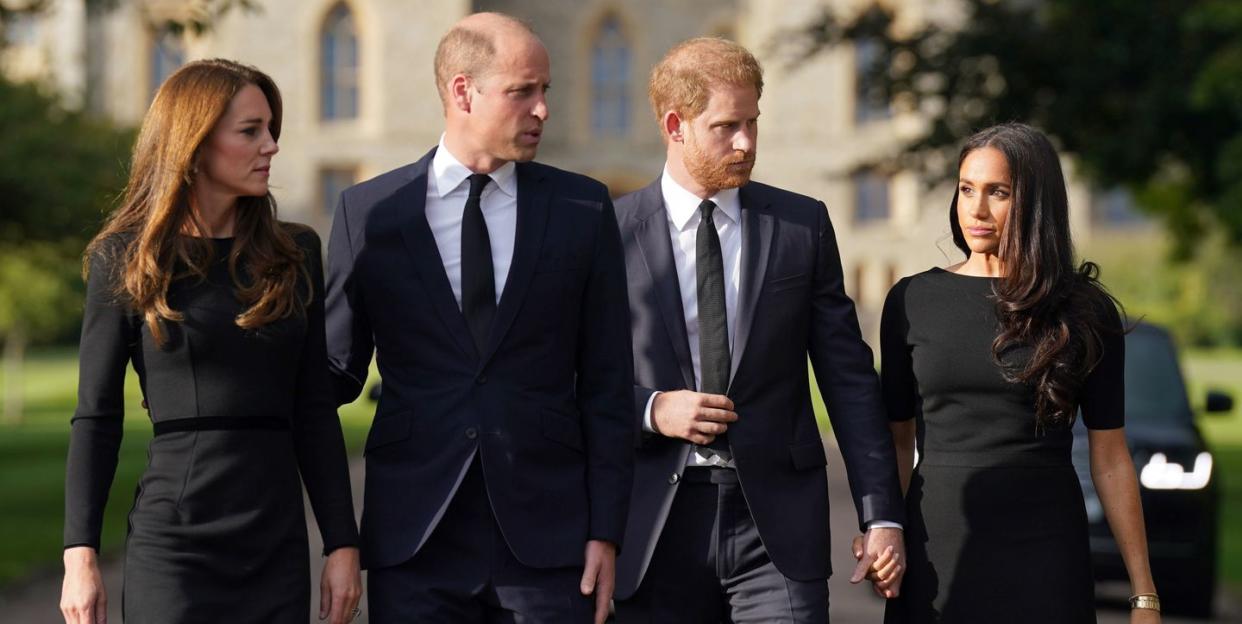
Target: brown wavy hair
{"x": 1044, "y": 301}
{"x": 146, "y": 228}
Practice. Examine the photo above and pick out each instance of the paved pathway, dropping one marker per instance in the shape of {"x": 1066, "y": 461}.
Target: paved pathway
{"x": 34, "y": 602}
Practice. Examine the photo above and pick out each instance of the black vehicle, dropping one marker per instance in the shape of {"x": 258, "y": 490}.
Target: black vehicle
{"x": 1178, "y": 480}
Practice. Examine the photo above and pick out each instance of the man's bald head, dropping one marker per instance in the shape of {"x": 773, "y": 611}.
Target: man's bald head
{"x": 471, "y": 45}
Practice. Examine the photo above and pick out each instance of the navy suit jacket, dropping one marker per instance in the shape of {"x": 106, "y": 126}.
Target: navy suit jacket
{"x": 791, "y": 305}
{"x": 547, "y": 405}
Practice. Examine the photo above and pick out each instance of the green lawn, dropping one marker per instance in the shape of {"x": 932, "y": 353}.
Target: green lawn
{"x": 1222, "y": 370}
{"x": 32, "y": 459}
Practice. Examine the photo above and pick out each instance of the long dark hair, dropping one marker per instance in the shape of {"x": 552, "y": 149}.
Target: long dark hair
{"x": 1044, "y": 301}
{"x": 156, "y": 206}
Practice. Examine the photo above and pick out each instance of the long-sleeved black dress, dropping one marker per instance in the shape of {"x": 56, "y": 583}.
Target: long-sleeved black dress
{"x": 217, "y": 531}
{"x": 997, "y": 526}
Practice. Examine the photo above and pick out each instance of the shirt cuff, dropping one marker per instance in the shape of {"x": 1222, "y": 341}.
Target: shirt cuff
{"x": 883, "y": 524}
{"x": 647, "y": 426}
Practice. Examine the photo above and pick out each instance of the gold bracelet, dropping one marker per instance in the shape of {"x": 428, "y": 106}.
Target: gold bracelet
{"x": 1145, "y": 601}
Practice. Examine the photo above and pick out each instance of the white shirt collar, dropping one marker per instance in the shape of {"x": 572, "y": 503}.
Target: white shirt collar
{"x": 449, "y": 173}
{"x": 683, "y": 206}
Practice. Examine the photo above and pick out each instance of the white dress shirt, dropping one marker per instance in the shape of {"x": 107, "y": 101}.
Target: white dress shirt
{"x": 681, "y": 207}
{"x": 447, "y": 191}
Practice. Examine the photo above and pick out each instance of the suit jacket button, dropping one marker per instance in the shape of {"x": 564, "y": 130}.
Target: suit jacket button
{"x": 481, "y": 379}
{"x": 674, "y": 478}
{"x": 472, "y": 433}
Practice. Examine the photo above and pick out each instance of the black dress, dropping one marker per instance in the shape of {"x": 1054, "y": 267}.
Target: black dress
{"x": 217, "y": 531}
{"x": 997, "y": 530}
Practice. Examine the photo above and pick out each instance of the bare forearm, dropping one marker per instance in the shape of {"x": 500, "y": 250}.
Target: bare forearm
{"x": 903, "y": 440}
{"x": 1117, "y": 485}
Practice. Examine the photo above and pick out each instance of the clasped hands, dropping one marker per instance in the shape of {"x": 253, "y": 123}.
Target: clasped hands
{"x": 881, "y": 559}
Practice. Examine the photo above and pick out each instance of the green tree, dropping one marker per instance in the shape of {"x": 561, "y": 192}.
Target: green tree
{"x": 1146, "y": 95}
{"x": 59, "y": 173}
{"x": 38, "y": 298}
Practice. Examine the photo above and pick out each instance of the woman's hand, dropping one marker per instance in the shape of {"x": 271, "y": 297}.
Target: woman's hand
{"x": 885, "y": 571}
{"x": 82, "y": 596}
{"x": 1144, "y": 616}
{"x": 340, "y": 587}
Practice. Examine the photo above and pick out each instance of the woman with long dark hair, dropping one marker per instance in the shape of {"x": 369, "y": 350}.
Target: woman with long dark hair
{"x": 219, "y": 307}
{"x": 986, "y": 365}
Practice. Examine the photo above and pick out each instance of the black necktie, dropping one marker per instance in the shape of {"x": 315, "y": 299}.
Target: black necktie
{"x": 478, "y": 276}
{"x": 713, "y": 319}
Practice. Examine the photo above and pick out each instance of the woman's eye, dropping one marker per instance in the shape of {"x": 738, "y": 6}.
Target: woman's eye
{"x": 250, "y": 131}
{"x": 965, "y": 190}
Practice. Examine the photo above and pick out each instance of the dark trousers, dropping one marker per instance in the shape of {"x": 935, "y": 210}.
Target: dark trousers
{"x": 466, "y": 573}
{"x": 710, "y": 566}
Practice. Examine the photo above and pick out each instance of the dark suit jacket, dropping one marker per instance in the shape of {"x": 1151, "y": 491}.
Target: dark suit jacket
{"x": 791, "y": 304}
{"x": 547, "y": 406}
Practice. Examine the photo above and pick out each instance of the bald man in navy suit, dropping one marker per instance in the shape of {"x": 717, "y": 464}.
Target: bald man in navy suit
{"x": 501, "y": 455}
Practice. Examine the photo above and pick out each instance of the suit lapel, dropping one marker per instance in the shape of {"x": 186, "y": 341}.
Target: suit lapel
{"x": 653, "y": 240}
{"x": 533, "y": 197}
{"x": 757, "y": 230}
{"x": 421, "y": 244}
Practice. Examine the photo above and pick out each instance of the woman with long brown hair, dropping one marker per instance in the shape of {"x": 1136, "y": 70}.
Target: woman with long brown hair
{"x": 219, "y": 307}
{"x": 986, "y": 365}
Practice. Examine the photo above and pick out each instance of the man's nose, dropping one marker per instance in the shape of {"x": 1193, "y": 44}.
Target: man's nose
{"x": 541, "y": 108}
{"x": 744, "y": 141}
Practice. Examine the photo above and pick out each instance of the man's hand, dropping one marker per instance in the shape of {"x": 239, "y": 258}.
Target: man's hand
{"x": 599, "y": 576}
{"x": 692, "y": 416}
{"x": 881, "y": 555}
{"x": 82, "y": 597}
{"x": 340, "y": 587}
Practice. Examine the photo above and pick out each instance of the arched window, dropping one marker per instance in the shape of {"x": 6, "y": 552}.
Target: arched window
{"x": 338, "y": 65}
{"x": 610, "y": 80}
{"x": 332, "y": 181}
{"x": 167, "y": 54}
{"x": 871, "y": 202}
{"x": 868, "y": 53}
{"x": 21, "y": 29}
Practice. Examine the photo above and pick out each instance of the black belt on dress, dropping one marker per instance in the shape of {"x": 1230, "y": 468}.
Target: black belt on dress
{"x": 1050, "y": 458}
{"x": 222, "y": 423}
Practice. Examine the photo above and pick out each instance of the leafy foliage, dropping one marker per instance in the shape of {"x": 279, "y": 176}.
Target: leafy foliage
{"x": 59, "y": 172}
{"x": 196, "y": 16}
{"x": 1147, "y": 96}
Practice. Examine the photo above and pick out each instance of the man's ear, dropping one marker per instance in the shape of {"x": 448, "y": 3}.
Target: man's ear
{"x": 459, "y": 92}
{"x": 673, "y": 126}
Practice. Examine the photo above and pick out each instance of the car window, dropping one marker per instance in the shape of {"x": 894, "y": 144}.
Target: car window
{"x": 1155, "y": 392}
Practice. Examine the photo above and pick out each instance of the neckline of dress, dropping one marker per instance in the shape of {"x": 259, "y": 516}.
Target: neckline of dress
{"x": 963, "y": 275}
